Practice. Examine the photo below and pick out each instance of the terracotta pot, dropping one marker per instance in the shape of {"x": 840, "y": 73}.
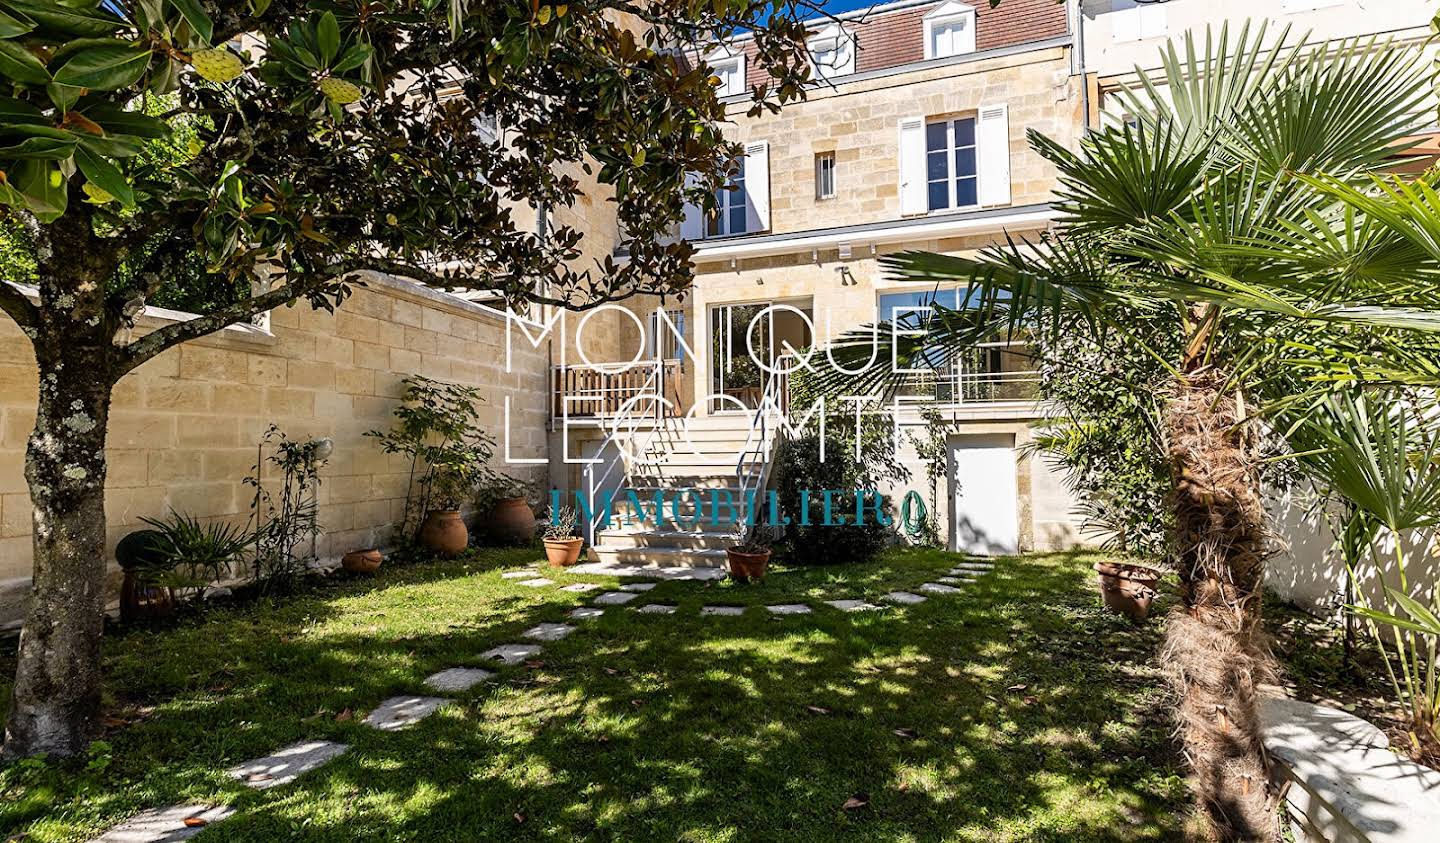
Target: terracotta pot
{"x": 747, "y": 566}
{"x": 1127, "y": 589}
{"x": 444, "y": 533}
{"x": 144, "y": 601}
{"x": 362, "y": 561}
{"x": 563, "y": 552}
{"x": 512, "y": 521}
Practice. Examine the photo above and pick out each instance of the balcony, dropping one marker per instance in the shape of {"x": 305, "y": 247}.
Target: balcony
{"x": 992, "y": 373}
{"x": 586, "y": 392}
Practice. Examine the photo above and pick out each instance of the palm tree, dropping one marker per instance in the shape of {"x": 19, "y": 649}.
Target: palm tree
{"x": 1221, "y": 210}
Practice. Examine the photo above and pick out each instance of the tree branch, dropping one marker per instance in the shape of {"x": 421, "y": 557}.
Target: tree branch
{"x": 18, "y": 305}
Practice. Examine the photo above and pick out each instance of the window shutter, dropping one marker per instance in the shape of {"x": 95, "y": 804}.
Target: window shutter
{"x": 693, "y": 226}
{"x": 912, "y": 166}
{"x": 992, "y": 142}
{"x": 1124, "y": 20}
{"x": 757, "y": 187}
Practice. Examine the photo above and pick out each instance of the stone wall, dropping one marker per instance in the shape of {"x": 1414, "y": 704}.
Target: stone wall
{"x": 185, "y": 426}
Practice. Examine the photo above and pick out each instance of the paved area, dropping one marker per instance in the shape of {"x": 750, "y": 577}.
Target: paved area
{"x": 286, "y": 764}
{"x": 403, "y": 712}
{"x": 457, "y": 679}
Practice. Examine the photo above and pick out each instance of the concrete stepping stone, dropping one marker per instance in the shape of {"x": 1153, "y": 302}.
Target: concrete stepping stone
{"x": 516, "y": 575}
{"x": 904, "y": 598}
{"x": 615, "y": 598}
{"x": 163, "y": 825}
{"x": 537, "y": 582}
{"x": 977, "y": 567}
{"x": 511, "y": 653}
{"x": 457, "y": 679}
{"x": 399, "y": 712}
{"x": 939, "y": 588}
{"x": 287, "y": 764}
{"x": 789, "y": 609}
{"x": 950, "y": 580}
{"x": 852, "y": 605}
{"x": 548, "y": 631}
{"x": 706, "y": 611}
{"x": 657, "y": 609}
{"x": 584, "y": 613}
{"x": 637, "y": 586}
{"x": 581, "y": 587}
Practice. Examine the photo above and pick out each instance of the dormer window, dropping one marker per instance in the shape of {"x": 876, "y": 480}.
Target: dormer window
{"x": 729, "y": 67}
{"x": 950, "y": 31}
{"x": 832, "y": 53}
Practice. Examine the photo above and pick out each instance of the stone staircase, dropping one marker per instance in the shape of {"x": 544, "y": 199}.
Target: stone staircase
{"x": 702, "y": 456}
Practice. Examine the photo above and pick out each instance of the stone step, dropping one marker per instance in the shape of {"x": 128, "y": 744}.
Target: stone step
{"x": 660, "y": 556}
{"x": 689, "y": 465}
{"x": 647, "y": 484}
{"x": 640, "y": 537}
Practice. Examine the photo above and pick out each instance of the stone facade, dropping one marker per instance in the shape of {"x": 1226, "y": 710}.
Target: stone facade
{"x": 185, "y": 426}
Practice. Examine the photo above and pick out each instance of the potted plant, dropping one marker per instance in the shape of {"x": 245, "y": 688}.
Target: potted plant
{"x": 749, "y": 557}
{"x": 364, "y": 561}
{"x": 1127, "y": 589}
{"x": 142, "y": 597}
{"x": 562, "y": 546}
{"x": 177, "y": 552}
{"x": 510, "y": 519}
{"x": 452, "y": 480}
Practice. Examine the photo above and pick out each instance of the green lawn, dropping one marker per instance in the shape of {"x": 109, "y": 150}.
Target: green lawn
{"x": 645, "y": 727}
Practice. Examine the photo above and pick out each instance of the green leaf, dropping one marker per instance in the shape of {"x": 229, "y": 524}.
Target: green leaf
{"x": 69, "y": 21}
{"x": 21, "y": 65}
{"x": 117, "y": 121}
{"x": 194, "y": 15}
{"x": 13, "y": 111}
{"x": 106, "y": 175}
{"x": 43, "y": 185}
{"x": 14, "y": 27}
{"x": 328, "y": 35}
{"x": 46, "y": 149}
{"x": 64, "y": 96}
{"x": 105, "y": 68}
{"x": 353, "y": 58}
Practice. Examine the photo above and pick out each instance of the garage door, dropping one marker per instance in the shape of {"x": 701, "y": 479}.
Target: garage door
{"x": 983, "y": 518}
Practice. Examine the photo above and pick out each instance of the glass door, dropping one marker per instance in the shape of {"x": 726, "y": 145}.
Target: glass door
{"x": 733, "y": 371}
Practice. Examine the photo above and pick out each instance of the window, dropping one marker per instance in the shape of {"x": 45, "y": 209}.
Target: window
{"x": 832, "y": 53}
{"x": 1135, "y": 20}
{"x": 729, "y": 214}
{"x": 729, "y": 68}
{"x": 950, "y": 31}
{"x": 663, "y": 342}
{"x": 950, "y": 173}
{"x": 825, "y": 175}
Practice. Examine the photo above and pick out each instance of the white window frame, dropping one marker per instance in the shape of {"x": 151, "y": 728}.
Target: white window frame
{"x": 951, "y": 181}
{"x": 733, "y": 63}
{"x": 946, "y": 14}
{"x": 821, "y": 191}
{"x": 832, "y": 38}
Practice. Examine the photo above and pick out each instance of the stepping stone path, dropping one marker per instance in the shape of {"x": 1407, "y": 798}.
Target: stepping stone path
{"x": 287, "y": 764}
{"x": 549, "y": 631}
{"x": 511, "y": 653}
{"x": 706, "y": 611}
{"x": 789, "y": 609}
{"x": 951, "y": 580}
{"x": 657, "y": 609}
{"x": 584, "y": 613}
{"x": 581, "y": 587}
{"x": 615, "y": 598}
{"x": 162, "y": 825}
{"x": 537, "y": 582}
{"x": 637, "y": 586}
{"x": 457, "y": 679}
{"x": 904, "y": 598}
{"x": 938, "y": 588}
{"x": 515, "y": 575}
{"x": 400, "y": 712}
{"x": 852, "y": 605}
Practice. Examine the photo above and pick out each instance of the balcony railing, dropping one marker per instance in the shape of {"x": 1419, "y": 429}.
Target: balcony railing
{"x": 582, "y": 391}
{"x": 990, "y": 373}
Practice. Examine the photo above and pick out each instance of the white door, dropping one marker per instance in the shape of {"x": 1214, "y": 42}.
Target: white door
{"x": 983, "y": 517}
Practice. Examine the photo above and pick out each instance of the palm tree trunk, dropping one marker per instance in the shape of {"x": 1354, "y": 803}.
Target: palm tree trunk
{"x": 1214, "y": 650}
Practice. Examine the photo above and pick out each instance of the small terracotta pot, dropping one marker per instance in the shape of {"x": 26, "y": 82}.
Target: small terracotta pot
{"x": 563, "y": 552}
{"x": 512, "y": 521}
{"x": 144, "y": 601}
{"x": 444, "y": 533}
{"x": 362, "y": 561}
{"x": 1127, "y": 589}
{"x": 747, "y": 566}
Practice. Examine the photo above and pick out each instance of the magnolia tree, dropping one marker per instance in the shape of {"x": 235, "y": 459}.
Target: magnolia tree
{"x": 328, "y": 137}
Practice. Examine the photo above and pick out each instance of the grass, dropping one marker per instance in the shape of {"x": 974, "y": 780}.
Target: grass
{"x": 1016, "y": 711}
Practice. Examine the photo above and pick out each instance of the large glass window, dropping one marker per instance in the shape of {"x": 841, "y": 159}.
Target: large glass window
{"x": 950, "y": 167}
{"x": 729, "y": 215}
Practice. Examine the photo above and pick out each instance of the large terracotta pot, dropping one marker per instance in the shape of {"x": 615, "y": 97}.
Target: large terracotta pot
{"x": 1127, "y": 589}
{"x": 365, "y": 561}
{"x": 563, "y": 552}
{"x": 747, "y": 566}
{"x": 512, "y": 521}
{"x": 144, "y": 601}
{"x": 444, "y": 533}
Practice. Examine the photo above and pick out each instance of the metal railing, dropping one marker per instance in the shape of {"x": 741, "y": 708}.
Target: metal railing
{"x": 580, "y": 391}
{"x": 753, "y": 461}
{"x": 989, "y": 373}
{"x": 652, "y": 389}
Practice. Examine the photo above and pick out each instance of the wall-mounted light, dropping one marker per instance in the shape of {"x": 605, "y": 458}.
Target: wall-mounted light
{"x": 847, "y": 279}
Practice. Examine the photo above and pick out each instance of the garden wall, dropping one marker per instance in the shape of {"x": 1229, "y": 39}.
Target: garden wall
{"x": 185, "y": 426}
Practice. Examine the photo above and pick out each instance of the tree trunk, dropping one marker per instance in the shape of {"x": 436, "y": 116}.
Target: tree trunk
{"x": 1214, "y": 651}
{"x": 56, "y": 699}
